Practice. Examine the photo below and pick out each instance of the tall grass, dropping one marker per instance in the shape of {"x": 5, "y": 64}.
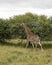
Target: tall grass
{"x": 14, "y": 52}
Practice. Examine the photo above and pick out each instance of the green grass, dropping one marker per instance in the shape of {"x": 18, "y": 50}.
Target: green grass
{"x": 13, "y": 52}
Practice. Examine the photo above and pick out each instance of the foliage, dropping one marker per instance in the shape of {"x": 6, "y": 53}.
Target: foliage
{"x": 41, "y": 25}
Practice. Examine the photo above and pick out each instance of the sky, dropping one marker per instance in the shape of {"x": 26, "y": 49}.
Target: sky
{"x": 10, "y": 8}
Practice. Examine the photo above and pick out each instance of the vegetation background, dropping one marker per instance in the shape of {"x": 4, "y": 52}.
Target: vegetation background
{"x": 13, "y": 40}
{"x": 41, "y": 25}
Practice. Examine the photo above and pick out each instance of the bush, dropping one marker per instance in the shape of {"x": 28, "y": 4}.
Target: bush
{"x": 41, "y": 25}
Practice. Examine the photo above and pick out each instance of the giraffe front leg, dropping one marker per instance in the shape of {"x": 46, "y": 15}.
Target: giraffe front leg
{"x": 27, "y": 44}
{"x": 35, "y": 45}
{"x": 32, "y": 44}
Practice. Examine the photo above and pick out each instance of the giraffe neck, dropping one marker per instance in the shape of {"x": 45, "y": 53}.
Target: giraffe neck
{"x": 27, "y": 30}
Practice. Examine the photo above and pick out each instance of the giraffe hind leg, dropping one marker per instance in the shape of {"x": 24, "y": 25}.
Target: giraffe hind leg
{"x": 40, "y": 46}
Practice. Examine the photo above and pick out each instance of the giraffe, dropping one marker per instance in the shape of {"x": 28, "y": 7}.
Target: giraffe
{"x": 33, "y": 38}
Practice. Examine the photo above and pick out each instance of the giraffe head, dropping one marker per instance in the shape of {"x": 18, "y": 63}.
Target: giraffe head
{"x": 23, "y": 24}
